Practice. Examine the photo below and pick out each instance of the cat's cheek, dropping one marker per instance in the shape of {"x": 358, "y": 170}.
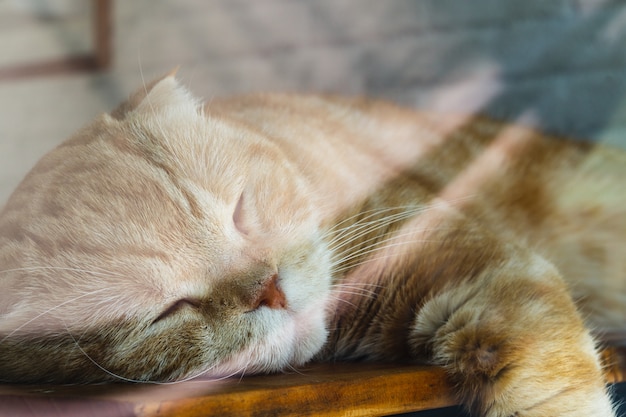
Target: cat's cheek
{"x": 311, "y": 332}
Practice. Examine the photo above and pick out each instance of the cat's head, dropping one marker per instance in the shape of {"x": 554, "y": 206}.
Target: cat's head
{"x": 156, "y": 244}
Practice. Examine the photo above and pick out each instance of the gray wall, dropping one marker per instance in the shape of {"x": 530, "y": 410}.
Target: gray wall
{"x": 556, "y": 64}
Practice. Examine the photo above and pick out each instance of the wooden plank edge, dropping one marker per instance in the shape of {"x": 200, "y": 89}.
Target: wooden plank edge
{"x": 333, "y": 393}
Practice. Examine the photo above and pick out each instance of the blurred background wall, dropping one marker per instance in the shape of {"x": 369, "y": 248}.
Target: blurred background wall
{"x": 558, "y": 64}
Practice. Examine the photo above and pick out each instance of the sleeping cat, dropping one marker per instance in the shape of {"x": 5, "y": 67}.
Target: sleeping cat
{"x": 170, "y": 239}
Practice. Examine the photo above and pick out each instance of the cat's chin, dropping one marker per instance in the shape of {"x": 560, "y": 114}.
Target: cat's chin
{"x": 288, "y": 346}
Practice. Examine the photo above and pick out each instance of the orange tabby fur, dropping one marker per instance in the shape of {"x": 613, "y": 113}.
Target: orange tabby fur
{"x": 169, "y": 239}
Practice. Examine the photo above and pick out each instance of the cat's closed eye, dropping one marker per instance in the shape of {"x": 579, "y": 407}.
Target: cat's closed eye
{"x": 176, "y": 307}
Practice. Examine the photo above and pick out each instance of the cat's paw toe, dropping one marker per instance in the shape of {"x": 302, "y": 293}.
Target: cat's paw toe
{"x": 472, "y": 351}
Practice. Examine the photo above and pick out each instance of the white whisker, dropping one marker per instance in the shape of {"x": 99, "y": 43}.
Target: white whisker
{"x": 337, "y": 298}
{"x": 368, "y": 226}
{"x": 351, "y": 266}
{"x": 372, "y": 242}
{"x": 359, "y": 284}
{"x": 370, "y": 214}
{"x": 376, "y": 245}
{"x": 43, "y": 268}
{"x": 243, "y": 370}
{"x": 295, "y": 370}
{"x": 343, "y": 236}
{"x": 340, "y": 288}
{"x": 371, "y": 296}
{"x": 347, "y": 289}
{"x": 121, "y": 378}
{"x": 365, "y": 229}
{"x": 49, "y": 311}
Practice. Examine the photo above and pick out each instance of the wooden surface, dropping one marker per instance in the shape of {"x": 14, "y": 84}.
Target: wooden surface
{"x": 319, "y": 390}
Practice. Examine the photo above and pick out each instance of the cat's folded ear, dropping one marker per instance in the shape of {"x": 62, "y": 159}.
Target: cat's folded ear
{"x": 163, "y": 91}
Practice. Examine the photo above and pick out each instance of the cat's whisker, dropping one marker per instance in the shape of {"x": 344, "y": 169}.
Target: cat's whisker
{"x": 144, "y": 85}
{"x": 292, "y": 368}
{"x": 364, "y": 230}
{"x": 337, "y": 298}
{"x": 359, "y": 289}
{"x": 48, "y": 311}
{"x": 354, "y": 290}
{"x": 122, "y": 378}
{"x": 363, "y": 224}
{"x": 379, "y": 240}
{"x": 191, "y": 377}
{"x": 408, "y": 210}
{"x": 347, "y": 246}
{"x": 370, "y": 214}
{"x": 348, "y": 290}
{"x": 230, "y": 375}
{"x": 42, "y": 268}
{"x": 371, "y": 296}
{"x": 376, "y": 245}
{"x": 358, "y": 286}
{"x": 370, "y": 243}
{"x": 243, "y": 370}
{"x": 103, "y": 369}
{"x": 349, "y": 239}
{"x": 387, "y": 256}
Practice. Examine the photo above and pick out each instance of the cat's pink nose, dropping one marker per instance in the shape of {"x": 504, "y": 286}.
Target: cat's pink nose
{"x": 270, "y": 295}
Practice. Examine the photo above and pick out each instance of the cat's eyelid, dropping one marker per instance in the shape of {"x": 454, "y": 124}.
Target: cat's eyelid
{"x": 176, "y": 306}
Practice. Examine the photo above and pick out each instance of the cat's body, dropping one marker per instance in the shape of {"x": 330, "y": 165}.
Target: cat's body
{"x": 162, "y": 242}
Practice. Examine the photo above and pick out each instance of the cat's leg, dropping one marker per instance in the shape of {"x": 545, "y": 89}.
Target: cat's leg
{"x": 514, "y": 344}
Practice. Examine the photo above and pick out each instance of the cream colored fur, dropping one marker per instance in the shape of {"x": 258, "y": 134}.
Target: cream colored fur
{"x": 170, "y": 239}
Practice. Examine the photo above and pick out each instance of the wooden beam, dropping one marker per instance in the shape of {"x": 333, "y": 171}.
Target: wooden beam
{"x": 319, "y": 390}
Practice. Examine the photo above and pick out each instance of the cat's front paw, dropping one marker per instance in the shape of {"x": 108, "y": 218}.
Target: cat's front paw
{"x": 499, "y": 377}
{"x": 506, "y": 360}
